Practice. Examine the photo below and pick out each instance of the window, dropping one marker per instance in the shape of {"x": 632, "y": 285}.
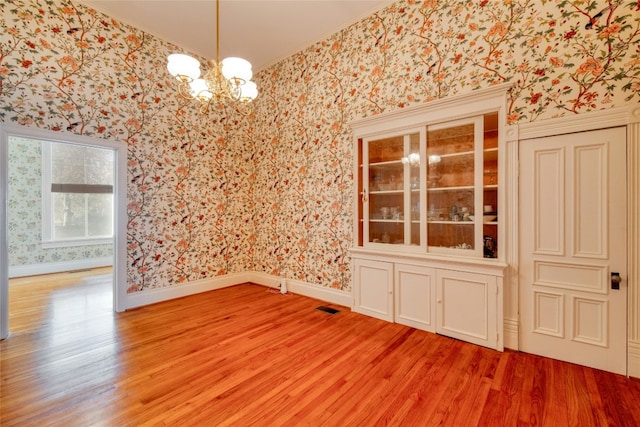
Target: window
{"x": 77, "y": 194}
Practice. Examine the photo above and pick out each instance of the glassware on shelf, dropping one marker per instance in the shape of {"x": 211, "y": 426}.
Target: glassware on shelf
{"x": 490, "y": 249}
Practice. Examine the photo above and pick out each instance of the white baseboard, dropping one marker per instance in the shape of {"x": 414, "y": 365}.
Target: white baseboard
{"x": 634, "y": 359}
{"x": 152, "y": 296}
{"x": 511, "y": 334}
{"x": 58, "y": 267}
{"x": 303, "y": 288}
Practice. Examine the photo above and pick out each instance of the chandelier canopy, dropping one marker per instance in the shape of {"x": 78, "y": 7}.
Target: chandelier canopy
{"x": 229, "y": 80}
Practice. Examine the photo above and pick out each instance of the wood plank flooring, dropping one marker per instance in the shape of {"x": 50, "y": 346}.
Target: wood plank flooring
{"x": 247, "y": 355}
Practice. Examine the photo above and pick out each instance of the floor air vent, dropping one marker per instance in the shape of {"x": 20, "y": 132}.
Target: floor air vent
{"x": 328, "y": 309}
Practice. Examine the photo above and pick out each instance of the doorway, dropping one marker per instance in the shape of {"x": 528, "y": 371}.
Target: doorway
{"x": 573, "y": 248}
{"x": 7, "y": 132}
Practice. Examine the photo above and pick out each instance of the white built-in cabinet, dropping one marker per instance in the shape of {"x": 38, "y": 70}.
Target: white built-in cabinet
{"x": 450, "y": 297}
{"x": 467, "y": 306}
{"x": 396, "y": 292}
{"x": 429, "y": 217}
{"x": 376, "y": 298}
{"x": 413, "y": 294}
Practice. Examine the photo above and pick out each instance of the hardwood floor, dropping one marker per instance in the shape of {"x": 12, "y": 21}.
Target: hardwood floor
{"x": 247, "y": 355}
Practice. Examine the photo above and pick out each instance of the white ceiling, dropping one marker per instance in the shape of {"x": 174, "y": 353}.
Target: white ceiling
{"x": 260, "y": 31}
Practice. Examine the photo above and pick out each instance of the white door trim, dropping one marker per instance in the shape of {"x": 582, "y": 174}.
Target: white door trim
{"x": 628, "y": 116}
{"x": 120, "y": 208}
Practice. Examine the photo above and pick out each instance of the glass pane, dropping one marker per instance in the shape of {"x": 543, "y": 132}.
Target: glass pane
{"x": 385, "y": 166}
{"x": 490, "y": 183}
{"x": 100, "y": 215}
{"x": 67, "y": 163}
{"x": 68, "y": 215}
{"x": 386, "y": 218}
{"x": 385, "y": 177}
{"x": 414, "y": 188}
{"x": 98, "y": 165}
{"x": 415, "y": 217}
{"x": 386, "y": 190}
{"x": 78, "y": 216}
{"x": 386, "y": 150}
{"x": 386, "y": 232}
{"x": 394, "y": 173}
{"x": 450, "y": 205}
{"x": 452, "y": 140}
{"x": 451, "y": 187}
{"x": 450, "y": 160}
{"x": 75, "y": 164}
{"x": 459, "y": 236}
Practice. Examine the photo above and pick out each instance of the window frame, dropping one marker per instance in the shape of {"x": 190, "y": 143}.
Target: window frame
{"x": 47, "y": 240}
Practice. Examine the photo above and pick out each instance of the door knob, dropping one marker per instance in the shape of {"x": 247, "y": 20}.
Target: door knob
{"x": 615, "y": 280}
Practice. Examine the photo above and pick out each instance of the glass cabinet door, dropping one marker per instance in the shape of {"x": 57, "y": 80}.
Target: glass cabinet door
{"x": 454, "y": 195}
{"x": 490, "y": 187}
{"x": 392, "y": 172}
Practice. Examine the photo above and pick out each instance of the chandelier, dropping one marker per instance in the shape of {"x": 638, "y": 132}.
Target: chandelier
{"x": 229, "y": 80}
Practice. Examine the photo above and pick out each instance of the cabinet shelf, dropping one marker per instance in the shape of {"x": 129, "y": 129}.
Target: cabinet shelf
{"x": 387, "y": 163}
{"x": 451, "y": 222}
{"x": 453, "y": 155}
{"x": 459, "y": 188}
{"x": 383, "y": 192}
{"x": 490, "y": 154}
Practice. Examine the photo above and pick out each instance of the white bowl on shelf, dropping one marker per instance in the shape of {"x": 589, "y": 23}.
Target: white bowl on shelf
{"x": 489, "y": 218}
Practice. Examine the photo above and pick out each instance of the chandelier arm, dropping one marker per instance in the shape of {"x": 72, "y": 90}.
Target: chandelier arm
{"x": 204, "y": 105}
{"x": 244, "y": 107}
{"x": 184, "y": 90}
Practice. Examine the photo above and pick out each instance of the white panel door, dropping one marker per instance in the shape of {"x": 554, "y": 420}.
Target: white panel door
{"x": 467, "y": 306}
{"x": 373, "y": 288}
{"x": 414, "y": 295}
{"x": 572, "y": 240}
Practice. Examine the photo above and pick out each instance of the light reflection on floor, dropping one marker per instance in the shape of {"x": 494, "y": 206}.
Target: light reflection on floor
{"x": 70, "y": 319}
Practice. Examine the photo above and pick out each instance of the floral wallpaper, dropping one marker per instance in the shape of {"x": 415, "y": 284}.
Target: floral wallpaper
{"x": 25, "y": 206}
{"x": 272, "y": 192}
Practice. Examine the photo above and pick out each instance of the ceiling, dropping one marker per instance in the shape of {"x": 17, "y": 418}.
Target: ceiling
{"x": 260, "y": 31}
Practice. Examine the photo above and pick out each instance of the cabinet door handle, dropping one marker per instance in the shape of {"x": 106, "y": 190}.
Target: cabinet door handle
{"x": 364, "y": 196}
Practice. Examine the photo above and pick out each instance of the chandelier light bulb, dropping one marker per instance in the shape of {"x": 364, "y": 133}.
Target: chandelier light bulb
{"x": 200, "y": 90}
{"x": 234, "y": 69}
{"x": 181, "y": 66}
{"x": 248, "y": 91}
